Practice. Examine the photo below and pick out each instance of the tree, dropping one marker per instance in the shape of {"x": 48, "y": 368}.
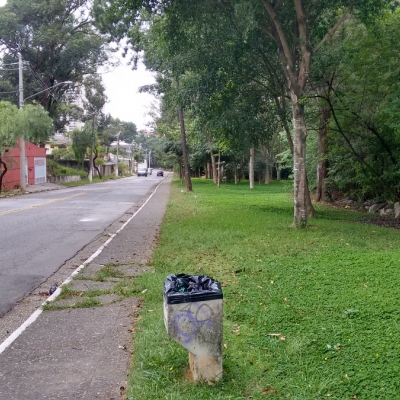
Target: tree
{"x": 82, "y": 141}
{"x": 58, "y": 42}
{"x": 95, "y": 101}
{"x": 172, "y": 70}
{"x": 364, "y": 145}
{"x": 32, "y": 123}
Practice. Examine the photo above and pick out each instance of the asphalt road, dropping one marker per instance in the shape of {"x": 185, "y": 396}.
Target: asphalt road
{"x": 41, "y": 231}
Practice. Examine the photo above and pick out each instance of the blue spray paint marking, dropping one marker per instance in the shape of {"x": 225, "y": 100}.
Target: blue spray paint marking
{"x": 191, "y": 319}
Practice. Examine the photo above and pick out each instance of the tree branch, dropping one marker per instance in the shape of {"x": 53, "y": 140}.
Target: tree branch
{"x": 281, "y": 38}
{"x": 331, "y": 31}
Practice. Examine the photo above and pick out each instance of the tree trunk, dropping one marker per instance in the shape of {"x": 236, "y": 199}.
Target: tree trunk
{"x": 278, "y": 164}
{"x": 214, "y": 168}
{"x": 181, "y": 177}
{"x": 300, "y": 180}
{"x": 322, "y": 166}
{"x": 219, "y": 169}
{"x": 3, "y": 173}
{"x": 267, "y": 169}
{"x": 235, "y": 173}
{"x": 208, "y": 173}
{"x": 184, "y": 151}
{"x": 96, "y": 154}
{"x": 278, "y": 171}
{"x": 251, "y": 168}
{"x": 213, "y": 172}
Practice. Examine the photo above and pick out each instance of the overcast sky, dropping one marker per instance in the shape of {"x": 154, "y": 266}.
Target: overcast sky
{"x": 124, "y": 101}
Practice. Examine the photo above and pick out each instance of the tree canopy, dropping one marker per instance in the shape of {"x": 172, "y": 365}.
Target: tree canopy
{"x": 58, "y": 43}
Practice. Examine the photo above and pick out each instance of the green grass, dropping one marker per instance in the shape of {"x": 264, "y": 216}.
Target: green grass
{"x": 331, "y": 291}
{"x": 109, "y": 271}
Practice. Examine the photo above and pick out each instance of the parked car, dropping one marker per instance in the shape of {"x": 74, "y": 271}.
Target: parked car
{"x": 160, "y": 173}
{"x": 142, "y": 172}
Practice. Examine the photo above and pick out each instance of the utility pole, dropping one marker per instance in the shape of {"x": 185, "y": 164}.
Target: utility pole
{"x": 91, "y": 153}
{"x": 132, "y": 158}
{"x": 116, "y": 166}
{"x": 22, "y": 163}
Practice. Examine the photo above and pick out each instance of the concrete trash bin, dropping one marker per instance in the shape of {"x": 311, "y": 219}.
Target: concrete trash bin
{"x": 193, "y": 312}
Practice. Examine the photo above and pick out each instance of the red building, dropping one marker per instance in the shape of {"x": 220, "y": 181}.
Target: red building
{"x": 35, "y": 166}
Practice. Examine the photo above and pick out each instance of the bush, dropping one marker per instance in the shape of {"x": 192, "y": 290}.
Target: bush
{"x": 55, "y": 169}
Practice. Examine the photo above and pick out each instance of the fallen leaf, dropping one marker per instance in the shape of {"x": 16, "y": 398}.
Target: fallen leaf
{"x": 347, "y": 377}
{"x": 279, "y": 335}
{"x": 268, "y": 390}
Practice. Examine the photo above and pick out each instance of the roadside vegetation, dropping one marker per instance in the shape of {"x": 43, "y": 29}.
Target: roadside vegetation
{"x": 55, "y": 169}
{"x": 310, "y": 314}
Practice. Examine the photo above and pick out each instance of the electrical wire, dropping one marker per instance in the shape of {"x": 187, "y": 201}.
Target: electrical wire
{"x": 37, "y": 77}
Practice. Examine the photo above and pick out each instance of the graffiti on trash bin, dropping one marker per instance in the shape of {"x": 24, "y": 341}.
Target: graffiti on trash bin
{"x": 191, "y": 318}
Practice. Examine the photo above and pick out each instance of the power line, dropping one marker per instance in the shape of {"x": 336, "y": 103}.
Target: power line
{"x": 37, "y": 77}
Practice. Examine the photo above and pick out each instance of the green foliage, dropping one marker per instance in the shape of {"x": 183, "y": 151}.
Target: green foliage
{"x": 58, "y": 43}
{"x": 55, "y": 169}
{"x": 8, "y": 127}
{"x": 364, "y": 142}
{"x": 306, "y": 316}
{"x": 36, "y": 124}
{"x": 65, "y": 153}
{"x": 95, "y": 94}
{"x": 32, "y": 123}
{"x": 81, "y": 141}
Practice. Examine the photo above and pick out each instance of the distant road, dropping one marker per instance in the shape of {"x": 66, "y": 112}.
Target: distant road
{"x": 40, "y": 231}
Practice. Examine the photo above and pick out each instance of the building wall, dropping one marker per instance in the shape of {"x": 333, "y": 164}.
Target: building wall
{"x": 11, "y": 179}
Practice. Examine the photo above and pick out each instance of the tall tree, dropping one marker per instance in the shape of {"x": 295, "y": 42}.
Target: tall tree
{"x": 95, "y": 101}
{"x": 58, "y": 43}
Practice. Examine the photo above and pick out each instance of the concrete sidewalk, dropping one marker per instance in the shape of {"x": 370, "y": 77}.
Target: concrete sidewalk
{"x": 84, "y": 353}
{"x": 42, "y": 187}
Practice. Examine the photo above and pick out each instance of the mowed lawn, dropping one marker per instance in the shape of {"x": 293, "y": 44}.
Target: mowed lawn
{"x": 308, "y": 314}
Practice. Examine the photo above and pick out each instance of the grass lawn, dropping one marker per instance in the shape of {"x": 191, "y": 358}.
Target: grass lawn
{"x": 331, "y": 292}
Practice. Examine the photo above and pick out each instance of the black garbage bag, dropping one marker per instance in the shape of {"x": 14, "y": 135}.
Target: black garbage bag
{"x": 182, "y": 288}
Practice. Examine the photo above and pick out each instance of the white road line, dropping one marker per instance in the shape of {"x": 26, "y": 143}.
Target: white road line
{"x": 36, "y": 314}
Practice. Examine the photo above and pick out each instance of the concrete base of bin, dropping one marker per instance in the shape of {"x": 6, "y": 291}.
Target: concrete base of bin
{"x": 197, "y": 326}
{"x": 205, "y": 368}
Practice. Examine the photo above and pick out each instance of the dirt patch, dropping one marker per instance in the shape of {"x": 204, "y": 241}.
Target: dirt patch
{"x": 383, "y": 221}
